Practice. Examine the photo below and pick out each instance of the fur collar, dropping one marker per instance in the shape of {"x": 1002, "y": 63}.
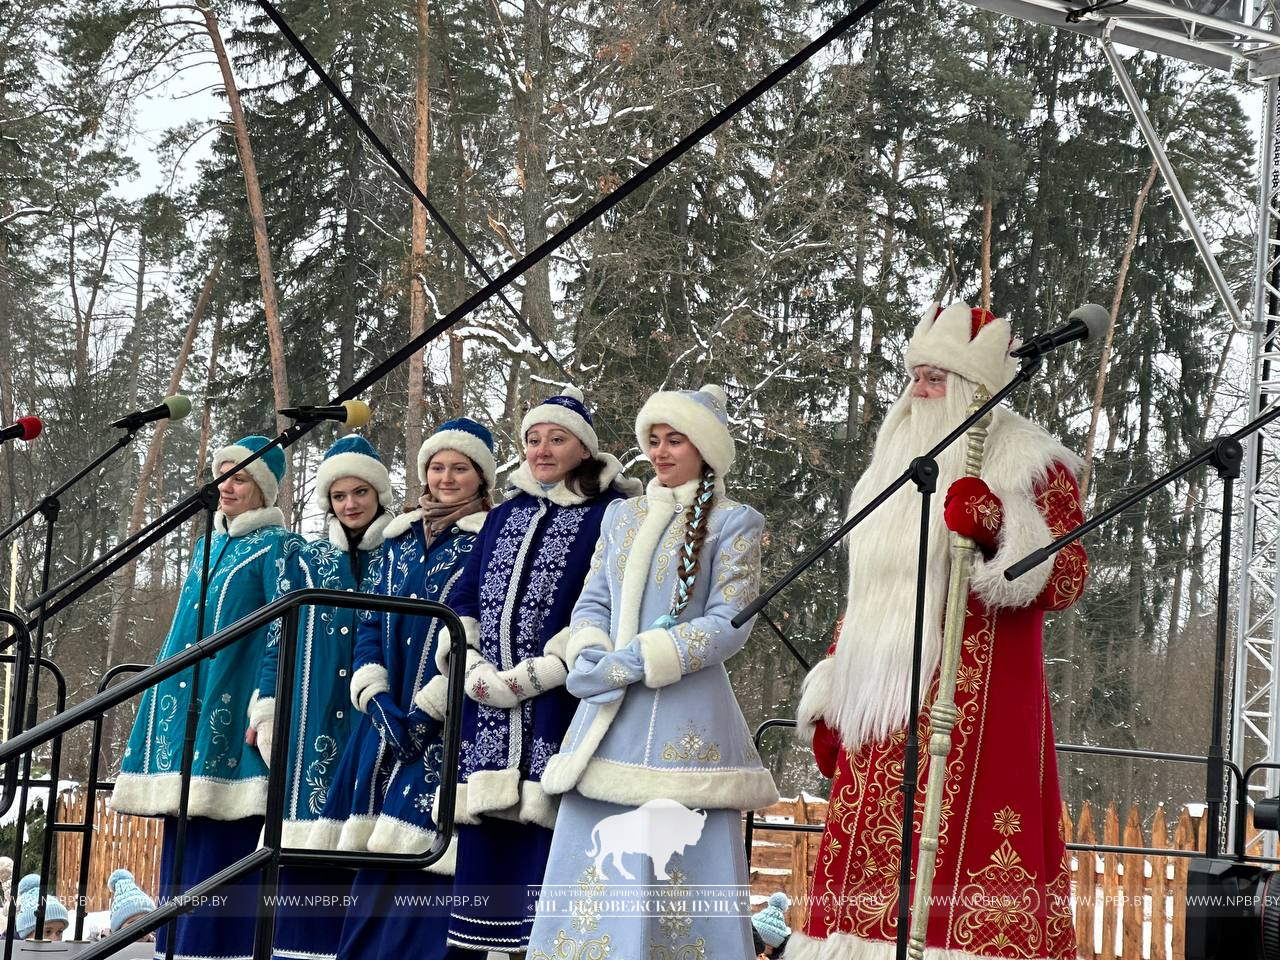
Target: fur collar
{"x": 610, "y": 476}
{"x": 400, "y": 524}
{"x": 248, "y": 521}
{"x": 373, "y": 535}
{"x": 682, "y": 495}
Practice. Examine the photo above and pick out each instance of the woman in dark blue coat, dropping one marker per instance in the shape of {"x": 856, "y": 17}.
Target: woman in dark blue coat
{"x": 383, "y": 790}
{"x": 515, "y": 598}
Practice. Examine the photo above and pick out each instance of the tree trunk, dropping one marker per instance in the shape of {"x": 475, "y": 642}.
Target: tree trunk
{"x": 6, "y": 394}
{"x": 202, "y": 453}
{"x": 531, "y": 107}
{"x": 414, "y": 408}
{"x": 1117, "y": 299}
{"x": 258, "y": 217}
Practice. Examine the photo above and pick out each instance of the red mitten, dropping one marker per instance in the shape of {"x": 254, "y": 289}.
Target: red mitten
{"x": 973, "y": 511}
{"x": 826, "y": 749}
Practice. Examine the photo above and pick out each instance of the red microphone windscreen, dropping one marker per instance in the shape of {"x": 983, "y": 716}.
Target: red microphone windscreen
{"x": 31, "y": 427}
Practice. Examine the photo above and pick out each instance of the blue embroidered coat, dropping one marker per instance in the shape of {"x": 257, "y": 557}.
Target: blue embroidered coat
{"x": 515, "y": 598}
{"x": 679, "y": 734}
{"x": 377, "y": 803}
{"x": 322, "y": 716}
{"x": 229, "y": 779}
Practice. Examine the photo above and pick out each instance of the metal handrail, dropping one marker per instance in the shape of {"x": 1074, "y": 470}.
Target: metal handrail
{"x": 271, "y": 855}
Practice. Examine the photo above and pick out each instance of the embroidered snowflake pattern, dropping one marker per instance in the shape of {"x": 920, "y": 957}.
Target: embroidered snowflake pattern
{"x": 1008, "y": 822}
{"x": 422, "y": 803}
{"x": 617, "y": 676}
{"x": 540, "y": 754}
{"x": 226, "y": 698}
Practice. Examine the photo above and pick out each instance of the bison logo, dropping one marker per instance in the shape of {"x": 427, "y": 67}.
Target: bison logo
{"x": 659, "y": 829}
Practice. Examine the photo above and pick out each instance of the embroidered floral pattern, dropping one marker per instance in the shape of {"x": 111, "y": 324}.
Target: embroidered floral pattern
{"x": 691, "y": 746}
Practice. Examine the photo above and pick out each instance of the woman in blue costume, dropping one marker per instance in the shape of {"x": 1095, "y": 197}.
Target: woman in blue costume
{"x": 386, "y": 781}
{"x": 514, "y": 600}
{"x": 247, "y": 558}
{"x": 353, "y": 489}
{"x": 658, "y": 763}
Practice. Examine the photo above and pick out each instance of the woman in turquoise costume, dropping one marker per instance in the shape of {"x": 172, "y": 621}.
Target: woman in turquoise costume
{"x": 247, "y": 558}
{"x": 658, "y": 763}
{"x": 353, "y": 489}
{"x": 383, "y": 790}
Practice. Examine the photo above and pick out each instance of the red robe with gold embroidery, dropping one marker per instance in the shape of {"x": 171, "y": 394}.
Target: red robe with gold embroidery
{"x": 1002, "y": 887}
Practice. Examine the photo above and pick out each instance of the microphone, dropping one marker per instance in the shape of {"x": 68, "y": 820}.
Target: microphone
{"x": 173, "y": 408}
{"x": 27, "y": 428}
{"x": 350, "y": 413}
{"x": 1083, "y": 323}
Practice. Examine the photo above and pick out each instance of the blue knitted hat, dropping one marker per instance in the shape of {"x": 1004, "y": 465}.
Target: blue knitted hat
{"x": 566, "y": 410}
{"x": 467, "y": 437}
{"x": 266, "y": 472}
{"x": 770, "y": 923}
{"x": 353, "y": 456}
{"x": 28, "y": 900}
{"x": 127, "y": 899}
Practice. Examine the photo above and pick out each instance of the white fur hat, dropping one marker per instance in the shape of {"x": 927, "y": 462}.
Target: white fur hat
{"x": 968, "y": 342}
{"x": 699, "y": 414}
{"x": 566, "y": 409}
{"x": 353, "y": 456}
{"x": 467, "y": 437}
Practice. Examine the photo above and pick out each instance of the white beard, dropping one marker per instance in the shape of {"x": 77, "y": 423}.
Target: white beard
{"x": 873, "y": 659}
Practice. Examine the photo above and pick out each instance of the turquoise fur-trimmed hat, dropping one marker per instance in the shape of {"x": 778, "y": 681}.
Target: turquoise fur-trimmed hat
{"x": 353, "y": 456}
{"x": 267, "y": 472}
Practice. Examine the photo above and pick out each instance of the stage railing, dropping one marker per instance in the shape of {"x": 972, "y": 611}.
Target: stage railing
{"x": 272, "y": 854}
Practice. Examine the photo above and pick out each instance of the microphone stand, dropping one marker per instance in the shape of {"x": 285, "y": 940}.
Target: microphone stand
{"x": 1225, "y": 454}
{"x": 923, "y": 472}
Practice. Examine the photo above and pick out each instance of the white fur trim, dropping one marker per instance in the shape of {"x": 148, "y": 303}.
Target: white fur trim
{"x": 489, "y": 791}
{"x": 534, "y": 805}
{"x": 258, "y": 470}
{"x": 261, "y": 710}
{"x": 248, "y": 521}
{"x": 396, "y": 836}
{"x": 400, "y": 524}
{"x": 564, "y": 770}
{"x": 815, "y": 696}
{"x": 561, "y": 417}
{"x": 698, "y": 423}
{"x": 319, "y": 834}
{"x": 365, "y": 682}
{"x": 522, "y": 481}
{"x": 944, "y": 343}
{"x": 662, "y": 663}
{"x": 473, "y": 522}
{"x": 748, "y": 788}
{"x": 460, "y": 814}
{"x": 661, "y": 507}
{"x": 433, "y": 699}
{"x": 371, "y": 539}
{"x": 467, "y": 444}
{"x": 444, "y": 642}
{"x": 153, "y": 795}
{"x": 355, "y": 833}
{"x": 588, "y": 636}
{"x": 1019, "y": 457}
{"x": 350, "y": 464}
{"x": 848, "y": 946}
{"x": 557, "y": 645}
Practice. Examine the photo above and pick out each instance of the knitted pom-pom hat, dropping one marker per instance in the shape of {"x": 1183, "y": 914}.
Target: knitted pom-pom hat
{"x": 127, "y": 899}
{"x": 770, "y": 922}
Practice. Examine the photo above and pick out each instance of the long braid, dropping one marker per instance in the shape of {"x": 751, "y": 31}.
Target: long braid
{"x": 697, "y": 519}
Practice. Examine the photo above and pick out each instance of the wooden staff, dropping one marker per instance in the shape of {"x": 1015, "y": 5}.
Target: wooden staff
{"x": 943, "y": 714}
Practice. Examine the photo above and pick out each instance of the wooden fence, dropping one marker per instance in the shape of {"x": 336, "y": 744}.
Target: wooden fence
{"x": 118, "y": 841}
{"x": 1103, "y": 884}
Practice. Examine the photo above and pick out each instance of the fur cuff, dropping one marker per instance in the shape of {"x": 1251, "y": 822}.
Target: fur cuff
{"x": 558, "y": 645}
{"x": 662, "y": 662}
{"x": 444, "y": 645}
{"x": 1024, "y": 530}
{"x": 433, "y": 699}
{"x": 533, "y": 676}
{"x": 816, "y": 694}
{"x": 489, "y": 791}
{"x": 367, "y": 681}
{"x": 584, "y": 637}
{"x": 261, "y": 709}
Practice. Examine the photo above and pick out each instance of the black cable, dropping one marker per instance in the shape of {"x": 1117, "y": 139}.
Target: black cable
{"x": 607, "y": 203}
{"x": 296, "y": 42}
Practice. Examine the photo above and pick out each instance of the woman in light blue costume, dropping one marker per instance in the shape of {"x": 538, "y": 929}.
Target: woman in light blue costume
{"x": 514, "y": 599}
{"x": 658, "y": 763}
{"x": 353, "y": 489}
{"x": 382, "y": 794}
{"x": 247, "y": 558}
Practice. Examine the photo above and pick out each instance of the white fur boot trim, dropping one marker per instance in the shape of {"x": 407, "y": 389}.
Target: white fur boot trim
{"x": 847, "y": 946}
{"x": 355, "y": 833}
